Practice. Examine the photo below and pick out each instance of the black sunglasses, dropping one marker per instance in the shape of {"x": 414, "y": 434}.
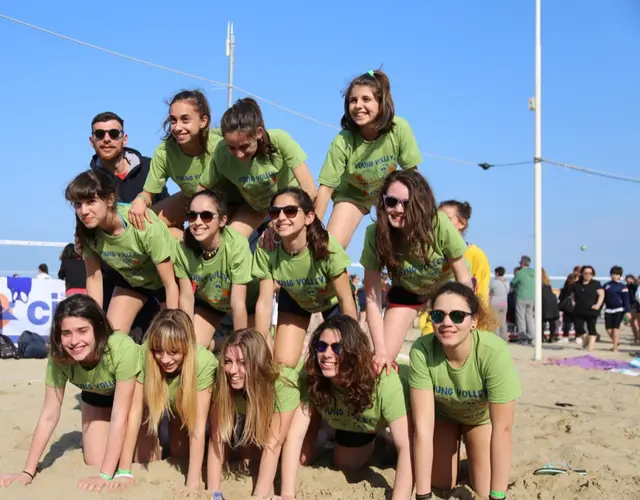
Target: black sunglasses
{"x": 393, "y": 202}
{"x": 290, "y": 211}
{"x": 321, "y": 346}
{"x": 206, "y": 216}
{"x": 457, "y": 317}
{"x": 114, "y": 133}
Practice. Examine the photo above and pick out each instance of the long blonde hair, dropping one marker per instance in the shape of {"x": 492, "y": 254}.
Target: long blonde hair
{"x": 171, "y": 331}
{"x": 261, "y": 373}
{"x": 545, "y": 278}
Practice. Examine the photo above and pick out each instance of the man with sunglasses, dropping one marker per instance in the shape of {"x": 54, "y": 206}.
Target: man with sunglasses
{"x": 130, "y": 168}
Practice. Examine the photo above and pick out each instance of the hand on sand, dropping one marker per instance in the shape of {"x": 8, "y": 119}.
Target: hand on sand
{"x": 9, "y": 479}
{"x": 93, "y": 483}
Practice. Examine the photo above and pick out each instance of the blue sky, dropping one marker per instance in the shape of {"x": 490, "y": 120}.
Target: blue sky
{"x": 461, "y": 73}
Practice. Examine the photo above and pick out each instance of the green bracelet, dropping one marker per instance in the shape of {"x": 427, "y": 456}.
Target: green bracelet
{"x": 497, "y": 495}
{"x": 106, "y": 477}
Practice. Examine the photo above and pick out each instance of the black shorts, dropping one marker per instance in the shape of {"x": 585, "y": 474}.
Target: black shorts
{"x": 400, "y": 297}
{"x": 158, "y": 295}
{"x": 203, "y": 304}
{"x": 97, "y": 400}
{"x": 612, "y": 321}
{"x": 350, "y": 439}
{"x": 286, "y": 304}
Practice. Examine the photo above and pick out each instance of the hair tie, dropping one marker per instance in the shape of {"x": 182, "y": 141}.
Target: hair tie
{"x": 371, "y": 73}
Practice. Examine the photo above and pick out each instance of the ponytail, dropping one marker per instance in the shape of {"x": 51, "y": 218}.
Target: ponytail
{"x": 318, "y": 239}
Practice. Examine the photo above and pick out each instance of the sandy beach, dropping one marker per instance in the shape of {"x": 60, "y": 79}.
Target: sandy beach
{"x": 587, "y": 418}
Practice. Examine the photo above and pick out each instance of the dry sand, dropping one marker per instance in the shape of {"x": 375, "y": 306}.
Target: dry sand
{"x": 600, "y": 432}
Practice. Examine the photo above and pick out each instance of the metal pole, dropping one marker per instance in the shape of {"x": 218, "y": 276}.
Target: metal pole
{"x": 231, "y": 46}
{"x": 538, "y": 185}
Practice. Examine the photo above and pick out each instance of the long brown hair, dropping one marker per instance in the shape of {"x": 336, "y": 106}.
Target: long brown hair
{"x": 356, "y": 373}
{"x": 199, "y": 101}
{"x": 261, "y": 373}
{"x": 421, "y": 219}
{"x": 378, "y": 82}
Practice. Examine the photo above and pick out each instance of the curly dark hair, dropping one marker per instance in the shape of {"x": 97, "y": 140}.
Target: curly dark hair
{"x": 421, "y": 219}
{"x": 356, "y": 373}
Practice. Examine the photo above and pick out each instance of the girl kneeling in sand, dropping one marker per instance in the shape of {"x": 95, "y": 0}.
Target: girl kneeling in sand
{"x": 254, "y": 402}
{"x": 420, "y": 248}
{"x": 142, "y": 259}
{"x": 217, "y": 260}
{"x": 344, "y": 389}
{"x": 177, "y": 378}
{"x": 86, "y": 352}
{"x": 311, "y": 269}
{"x": 463, "y": 385}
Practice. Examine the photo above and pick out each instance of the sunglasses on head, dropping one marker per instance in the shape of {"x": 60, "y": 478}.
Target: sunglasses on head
{"x": 290, "y": 211}
{"x": 393, "y": 202}
{"x": 321, "y": 346}
{"x": 456, "y": 317}
{"x": 206, "y": 216}
{"x": 114, "y": 133}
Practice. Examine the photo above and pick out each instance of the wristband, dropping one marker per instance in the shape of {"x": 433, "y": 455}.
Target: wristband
{"x": 497, "y": 495}
{"x": 425, "y": 496}
{"x": 143, "y": 198}
{"x": 217, "y": 495}
{"x": 106, "y": 477}
{"x": 123, "y": 473}
{"x": 28, "y": 474}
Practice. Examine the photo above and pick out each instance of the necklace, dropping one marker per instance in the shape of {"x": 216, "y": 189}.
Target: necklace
{"x": 293, "y": 253}
{"x": 209, "y": 254}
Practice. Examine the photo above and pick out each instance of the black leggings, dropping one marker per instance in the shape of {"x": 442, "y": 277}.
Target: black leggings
{"x": 579, "y": 321}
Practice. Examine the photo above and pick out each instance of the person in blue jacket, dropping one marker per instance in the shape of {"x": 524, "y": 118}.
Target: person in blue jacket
{"x": 617, "y": 304}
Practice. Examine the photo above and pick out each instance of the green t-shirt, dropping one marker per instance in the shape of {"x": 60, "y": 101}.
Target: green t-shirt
{"x": 135, "y": 252}
{"x": 119, "y": 363}
{"x": 390, "y": 402}
{"x": 416, "y": 275}
{"x": 357, "y": 168}
{"x": 259, "y": 179}
{"x": 213, "y": 278}
{"x": 206, "y": 366}
{"x": 524, "y": 284}
{"x": 308, "y": 281}
{"x": 170, "y": 162}
{"x": 287, "y": 397}
{"x": 462, "y": 394}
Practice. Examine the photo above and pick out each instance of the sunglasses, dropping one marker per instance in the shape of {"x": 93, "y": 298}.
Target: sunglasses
{"x": 206, "y": 216}
{"x": 290, "y": 211}
{"x": 393, "y": 202}
{"x": 321, "y": 346}
{"x": 456, "y": 317}
{"x": 114, "y": 133}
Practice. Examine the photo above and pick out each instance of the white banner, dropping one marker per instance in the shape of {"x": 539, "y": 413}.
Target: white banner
{"x": 28, "y": 304}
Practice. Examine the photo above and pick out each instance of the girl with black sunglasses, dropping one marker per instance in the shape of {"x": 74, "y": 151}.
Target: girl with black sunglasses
{"x": 373, "y": 142}
{"x": 344, "y": 390}
{"x": 311, "y": 269}
{"x": 463, "y": 386}
{"x": 419, "y": 247}
{"x": 216, "y": 259}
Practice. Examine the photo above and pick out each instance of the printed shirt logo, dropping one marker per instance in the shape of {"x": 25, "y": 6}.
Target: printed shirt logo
{"x": 368, "y": 176}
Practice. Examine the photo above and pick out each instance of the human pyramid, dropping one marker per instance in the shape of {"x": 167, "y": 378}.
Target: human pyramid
{"x": 255, "y": 392}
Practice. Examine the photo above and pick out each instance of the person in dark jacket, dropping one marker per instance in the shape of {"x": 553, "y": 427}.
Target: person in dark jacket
{"x": 566, "y": 303}
{"x": 617, "y": 305}
{"x": 109, "y": 140}
{"x": 550, "y": 309}
{"x": 72, "y": 271}
{"x": 635, "y": 307}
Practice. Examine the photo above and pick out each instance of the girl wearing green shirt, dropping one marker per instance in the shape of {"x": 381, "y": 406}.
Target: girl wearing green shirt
{"x": 257, "y": 162}
{"x": 311, "y": 269}
{"x": 373, "y": 142}
{"x": 463, "y": 386}
{"x": 420, "y": 249}
{"x": 141, "y": 258}
{"x": 182, "y": 156}
{"x": 217, "y": 260}
{"x": 86, "y": 352}
{"x": 344, "y": 389}
{"x": 177, "y": 378}
{"x": 253, "y": 404}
